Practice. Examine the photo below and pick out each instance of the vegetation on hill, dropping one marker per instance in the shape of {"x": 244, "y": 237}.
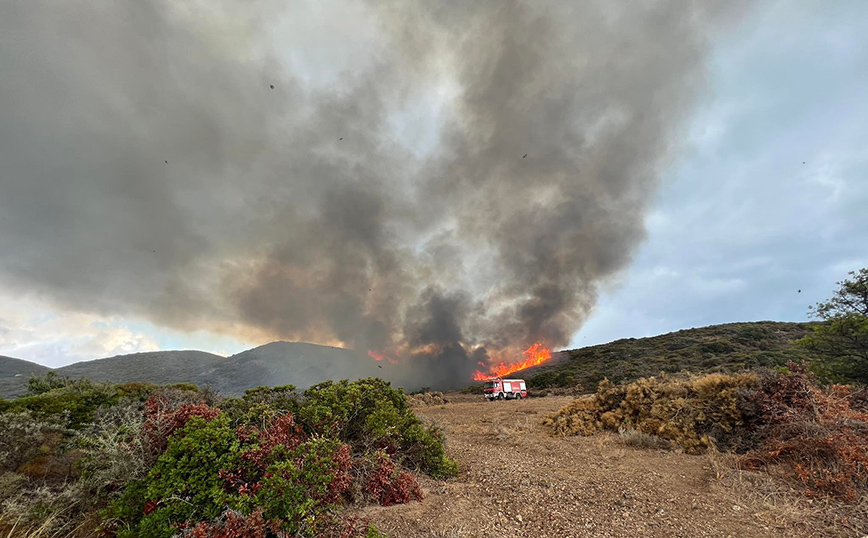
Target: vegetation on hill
{"x": 158, "y": 367}
{"x": 719, "y": 348}
{"x": 784, "y": 416}
{"x": 147, "y": 461}
{"x": 14, "y": 374}
{"x": 277, "y": 363}
{"x": 817, "y": 435}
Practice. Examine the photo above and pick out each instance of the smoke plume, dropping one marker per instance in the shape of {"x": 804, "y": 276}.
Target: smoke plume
{"x": 441, "y": 182}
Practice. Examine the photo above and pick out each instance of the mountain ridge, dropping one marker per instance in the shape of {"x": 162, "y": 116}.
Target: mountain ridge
{"x": 722, "y": 347}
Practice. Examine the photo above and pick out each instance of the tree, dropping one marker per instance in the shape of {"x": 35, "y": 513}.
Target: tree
{"x": 840, "y": 343}
{"x": 41, "y": 384}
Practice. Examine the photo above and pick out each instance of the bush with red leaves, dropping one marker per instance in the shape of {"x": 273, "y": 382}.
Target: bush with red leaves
{"x": 162, "y": 420}
{"x": 233, "y": 525}
{"x": 391, "y": 486}
{"x": 813, "y": 434}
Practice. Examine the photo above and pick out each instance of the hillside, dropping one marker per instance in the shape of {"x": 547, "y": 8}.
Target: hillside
{"x": 727, "y": 347}
{"x": 14, "y": 374}
{"x": 277, "y": 363}
{"x": 282, "y": 363}
{"x": 731, "y": 346}
{"x": 160, "y": 367}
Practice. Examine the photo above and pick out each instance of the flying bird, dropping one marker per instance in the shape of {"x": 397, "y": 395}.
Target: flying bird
{"x": 271, "y": 86}
{"x": 379, "y": 366}
{"x": 800, "y": 291}
{"x": 167, "y": 162}
{"x": 525, "y": 155}
{"x": 341, "y": 138}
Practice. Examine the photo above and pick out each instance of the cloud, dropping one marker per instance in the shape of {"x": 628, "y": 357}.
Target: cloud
{"x": 54, "y": 339}
{"x": 165, "y": 161}
{"x": 770, "y": 197}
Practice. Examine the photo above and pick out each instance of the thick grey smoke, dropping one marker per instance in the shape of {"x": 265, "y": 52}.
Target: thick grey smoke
{"x": 444, "y": 182}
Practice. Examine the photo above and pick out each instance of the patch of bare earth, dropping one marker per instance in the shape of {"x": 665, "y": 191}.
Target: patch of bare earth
{"x": 517, "y": 480}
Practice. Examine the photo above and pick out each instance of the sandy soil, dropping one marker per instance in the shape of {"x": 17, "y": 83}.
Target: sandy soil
{"x": 517, "y": 480}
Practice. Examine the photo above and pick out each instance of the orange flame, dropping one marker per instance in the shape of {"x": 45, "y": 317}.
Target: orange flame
{"x": 533, "y": 356}
{"x": 380, "y": 357}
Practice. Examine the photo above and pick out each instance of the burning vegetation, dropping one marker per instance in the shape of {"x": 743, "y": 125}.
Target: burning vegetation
{"x": 533, "y": 356}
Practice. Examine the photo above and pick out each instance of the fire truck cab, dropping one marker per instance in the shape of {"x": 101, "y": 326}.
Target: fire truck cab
{"x": 505, "y": 389}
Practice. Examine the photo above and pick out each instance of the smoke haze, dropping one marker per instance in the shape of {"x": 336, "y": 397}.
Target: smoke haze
{"x": 441, "y": 182}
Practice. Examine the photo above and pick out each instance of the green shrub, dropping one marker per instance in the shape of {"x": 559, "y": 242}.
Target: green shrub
{"x": 156, "y": 462}
{"x": 261, "y": 404}
{"x": 184, "y": 482}
{"x": 74, "y": 403}
{"x": 369, "y": 414}
{"x": 40, "y": 384}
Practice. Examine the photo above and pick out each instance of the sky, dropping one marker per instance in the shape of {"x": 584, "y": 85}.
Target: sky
{"x": 759, "y": 208}
{"x": 771, "y": 196}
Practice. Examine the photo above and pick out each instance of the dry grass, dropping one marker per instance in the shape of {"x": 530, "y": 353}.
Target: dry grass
{"x": 427, "y": 398}
{"x": 504, "y": 429}
{"x": 51, "y": 526}
{"x": 770, "y": 499}
{"x": 636, "y": 439}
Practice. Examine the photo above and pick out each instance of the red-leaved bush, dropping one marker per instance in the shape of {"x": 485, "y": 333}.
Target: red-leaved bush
{"x": 162, "y": 420}
{"x": 389, "y": 486}
{"x": 812, "y": 433}
{"x": 234, "y": 525}
{"x": 281, "y": 431}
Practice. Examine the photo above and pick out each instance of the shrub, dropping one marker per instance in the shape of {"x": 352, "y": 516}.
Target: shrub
{"x": 781, "y": 418}
{"x": 427, "y": 399}
{"x": 40, "y": 384}
{"x": 293, "y": 481}
{"x": 370, "y": 415}
{"x": 814, "y": 433}
{"x": 162, "y": 419}
{"x": 24, "y": 438}
{"x": 261, "y": 404}
{"x": 390, "y": 485}
{"x": 73, "y": 404}
{"x": 159, "y": 461}
{"x": 690, "y": 412}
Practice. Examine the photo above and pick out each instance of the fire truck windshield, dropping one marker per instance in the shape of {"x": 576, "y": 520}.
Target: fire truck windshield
{"x": 491, "y": 384}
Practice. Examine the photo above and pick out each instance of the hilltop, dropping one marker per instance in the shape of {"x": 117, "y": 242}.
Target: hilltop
{"x": 728, "y": 347}
{"x": 716, "y": 348}
{"x": 277, "y": 363}
{"x": 14, "y": 374}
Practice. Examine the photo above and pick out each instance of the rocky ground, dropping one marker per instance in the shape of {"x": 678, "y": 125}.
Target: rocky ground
{"x": 517, "y": 480}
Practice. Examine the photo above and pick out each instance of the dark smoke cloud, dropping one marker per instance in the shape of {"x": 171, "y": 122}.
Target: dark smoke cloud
{"x": 148, "y": 168}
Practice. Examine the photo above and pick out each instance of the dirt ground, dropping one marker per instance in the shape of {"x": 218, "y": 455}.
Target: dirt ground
{"x": 517, "y": 480}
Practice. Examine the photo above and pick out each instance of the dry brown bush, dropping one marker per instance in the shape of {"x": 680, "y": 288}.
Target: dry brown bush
{"x": 688, "y": 411}
{"x": 426, "y": 399}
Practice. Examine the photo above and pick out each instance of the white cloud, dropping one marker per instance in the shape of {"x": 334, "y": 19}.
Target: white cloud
{"x": 33, "y": 330}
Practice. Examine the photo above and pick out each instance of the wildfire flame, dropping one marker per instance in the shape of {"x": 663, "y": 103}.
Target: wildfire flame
{"x": 533, "y": 356}
{"x": 380, "y": 357}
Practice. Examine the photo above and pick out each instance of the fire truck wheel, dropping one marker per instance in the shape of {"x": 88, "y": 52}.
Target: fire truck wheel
{"x": 518, "y": 396}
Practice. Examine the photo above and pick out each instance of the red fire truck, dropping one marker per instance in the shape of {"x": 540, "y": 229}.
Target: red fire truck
{"x": 505, "y": 389}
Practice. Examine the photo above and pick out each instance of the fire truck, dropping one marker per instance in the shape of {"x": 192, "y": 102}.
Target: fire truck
{"x": 505, "y": 389}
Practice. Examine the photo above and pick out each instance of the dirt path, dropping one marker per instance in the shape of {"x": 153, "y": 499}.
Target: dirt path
{"x": 516, "y": 480}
